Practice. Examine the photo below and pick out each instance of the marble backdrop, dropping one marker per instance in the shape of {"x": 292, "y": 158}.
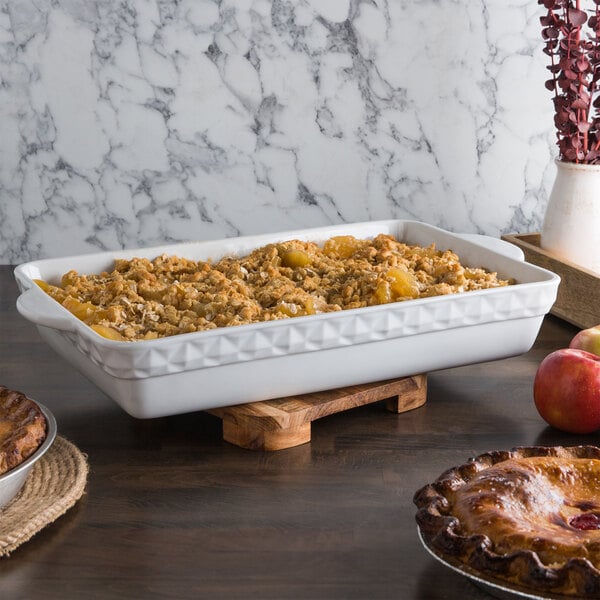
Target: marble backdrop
{"x": 128, "y": 123}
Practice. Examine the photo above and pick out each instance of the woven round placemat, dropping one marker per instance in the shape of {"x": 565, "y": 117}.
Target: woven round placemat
{"x": 54, "y": 485}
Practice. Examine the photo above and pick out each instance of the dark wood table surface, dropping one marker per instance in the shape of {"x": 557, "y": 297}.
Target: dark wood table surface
{"x": 171, "y": 511}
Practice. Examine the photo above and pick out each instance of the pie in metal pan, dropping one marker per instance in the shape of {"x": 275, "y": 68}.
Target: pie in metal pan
{"x": 524, "y": 522}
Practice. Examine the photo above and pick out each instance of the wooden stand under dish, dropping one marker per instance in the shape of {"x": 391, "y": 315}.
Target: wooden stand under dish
{"x": 286, "y": 422}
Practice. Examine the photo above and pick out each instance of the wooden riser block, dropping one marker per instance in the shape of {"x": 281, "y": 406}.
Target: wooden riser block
{"x": 286, "y": 422}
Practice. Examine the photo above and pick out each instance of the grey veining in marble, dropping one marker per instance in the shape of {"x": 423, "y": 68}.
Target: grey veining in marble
{"x": 128, "y": 123}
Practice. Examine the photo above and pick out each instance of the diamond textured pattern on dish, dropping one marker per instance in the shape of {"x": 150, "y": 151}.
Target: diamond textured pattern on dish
{"x": 291, "y": 336}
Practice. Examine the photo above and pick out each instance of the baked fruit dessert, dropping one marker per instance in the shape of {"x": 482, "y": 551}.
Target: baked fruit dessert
{"x": 529, "y": 517}
{"x": 142, "y": 299}
{"x": 22, "y": 428}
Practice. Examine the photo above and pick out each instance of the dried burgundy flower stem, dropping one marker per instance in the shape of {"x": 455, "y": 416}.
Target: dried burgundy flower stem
{"x": 572, "y": 41}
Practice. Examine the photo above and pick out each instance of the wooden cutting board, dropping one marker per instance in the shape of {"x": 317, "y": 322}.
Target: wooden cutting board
{"x": 286, "y": 422}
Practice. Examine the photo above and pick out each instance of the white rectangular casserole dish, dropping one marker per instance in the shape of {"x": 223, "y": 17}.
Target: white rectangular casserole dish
{"x": 233, "y": 365}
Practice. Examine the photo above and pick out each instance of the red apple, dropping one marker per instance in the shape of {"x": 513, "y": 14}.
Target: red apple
{"x": 566, "y": 390}
{"x": 587, "y": 339}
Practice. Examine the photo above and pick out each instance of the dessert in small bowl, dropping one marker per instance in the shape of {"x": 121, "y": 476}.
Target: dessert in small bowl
{"x": 525, "y": 520}
{"x": 27, "y": 430}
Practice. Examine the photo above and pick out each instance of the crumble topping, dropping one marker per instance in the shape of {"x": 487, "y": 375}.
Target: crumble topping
{"x": 143, "y": 299}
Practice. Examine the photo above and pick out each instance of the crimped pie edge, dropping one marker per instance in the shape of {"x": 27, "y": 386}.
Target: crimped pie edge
{"x": 577, "y": 577}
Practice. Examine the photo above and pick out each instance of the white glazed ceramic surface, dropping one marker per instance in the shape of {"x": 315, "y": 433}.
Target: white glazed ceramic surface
{"x": 12, "y": 481}
{"x": 572, "y": 219}
{"x": 234, "y": 365}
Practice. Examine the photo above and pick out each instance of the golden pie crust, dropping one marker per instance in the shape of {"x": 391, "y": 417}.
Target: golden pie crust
{"x": 23, "y": 428}
{"x": 529, "y": 517}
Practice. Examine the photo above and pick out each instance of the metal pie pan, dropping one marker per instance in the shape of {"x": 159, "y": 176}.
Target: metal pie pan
{"x": 495, "y": 587}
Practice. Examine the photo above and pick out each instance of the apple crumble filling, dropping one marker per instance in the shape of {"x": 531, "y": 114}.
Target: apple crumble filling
{"x": 143, "y": 299}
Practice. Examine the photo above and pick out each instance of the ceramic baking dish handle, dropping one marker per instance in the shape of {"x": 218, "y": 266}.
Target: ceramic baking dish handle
{"x": 33, "y": 306}
{"x": 496, "y": 244}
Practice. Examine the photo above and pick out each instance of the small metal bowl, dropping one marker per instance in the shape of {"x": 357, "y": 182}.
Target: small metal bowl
{"x": 12, "y": 481}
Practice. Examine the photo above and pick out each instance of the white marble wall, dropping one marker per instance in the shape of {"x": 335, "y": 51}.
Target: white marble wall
{"x": 129, "y": 123}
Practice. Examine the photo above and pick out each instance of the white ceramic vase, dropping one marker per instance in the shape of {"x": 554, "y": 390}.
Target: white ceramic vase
{"x": 571, "y": 228}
